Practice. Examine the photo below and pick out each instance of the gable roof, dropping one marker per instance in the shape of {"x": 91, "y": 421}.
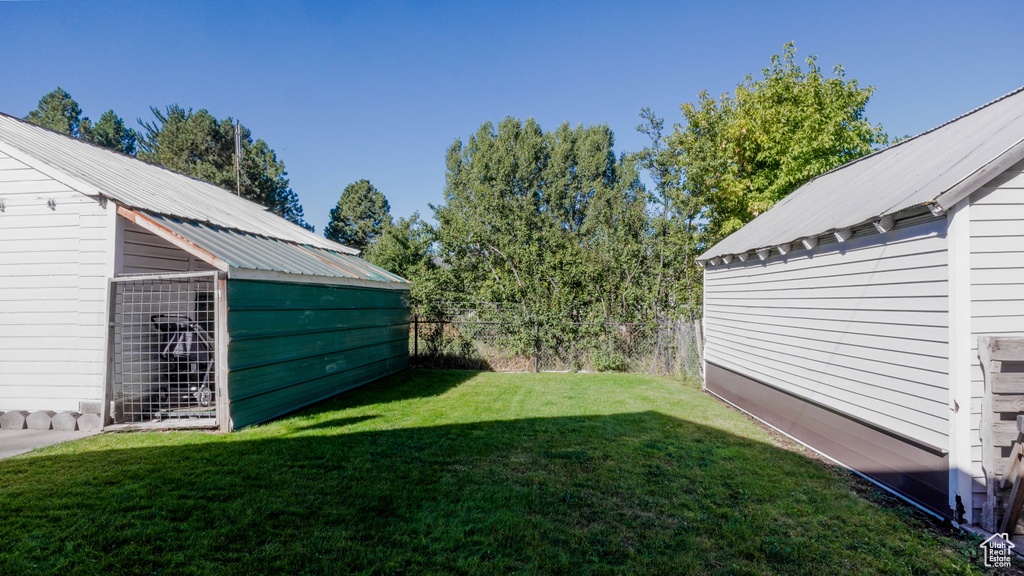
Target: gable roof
{"x": 935, "y": 169}
{"x": 220, "y": 228}
{"x": 140, "y": 185}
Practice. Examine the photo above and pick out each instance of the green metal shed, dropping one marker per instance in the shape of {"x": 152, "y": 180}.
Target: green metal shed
{"x": 292, "y": 323}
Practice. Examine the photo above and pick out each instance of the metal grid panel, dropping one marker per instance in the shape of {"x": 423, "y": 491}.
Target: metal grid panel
{"x": 163, "y": 348}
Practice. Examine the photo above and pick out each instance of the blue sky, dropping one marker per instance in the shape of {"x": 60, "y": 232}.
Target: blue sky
{"x": 379, "y": 90}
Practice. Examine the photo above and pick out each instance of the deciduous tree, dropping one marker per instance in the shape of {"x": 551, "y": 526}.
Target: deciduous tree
{"x": 406, "y": 248}
{"x": 742, "y": 153}
{"x": 734, "y": 157}
{"x": 551, "y": 221}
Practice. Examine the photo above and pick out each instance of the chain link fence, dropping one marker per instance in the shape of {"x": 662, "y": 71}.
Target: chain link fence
{"x": 494, "y": 337}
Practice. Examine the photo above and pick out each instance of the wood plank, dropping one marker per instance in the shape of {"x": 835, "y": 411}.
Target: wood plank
{"x": 998, "y": 326}
{"x": 1006, "y": 349}
{"x": 1011, "y": 383}
{"x": 1011, "y": 467}
{"x": 1013, "y": 505}
{"x": 1004, "y": 433}
{"x": 1008, "y": 403}
{"x": 862, "y": 448}
{"x": 832, "y": 258}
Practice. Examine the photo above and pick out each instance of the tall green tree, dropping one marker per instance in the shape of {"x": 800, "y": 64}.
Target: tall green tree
{"x": 110, "y": 131}
{"x": 200, "y": 145}
{"x": 743, "y": 152}
{"x": 553, "y": 222}
{"x": 59, "y": 112}
{"x": 734, "y": 157}
{"x": 360, "y": 217}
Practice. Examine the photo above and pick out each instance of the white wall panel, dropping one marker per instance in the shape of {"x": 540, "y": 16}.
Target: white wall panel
{"x": 997, "y": 280}
{"x": 54, "y": 264}
{"x": 859, "y": 327}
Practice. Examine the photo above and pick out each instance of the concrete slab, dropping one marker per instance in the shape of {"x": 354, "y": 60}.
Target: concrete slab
{"x": 20, "y": 441}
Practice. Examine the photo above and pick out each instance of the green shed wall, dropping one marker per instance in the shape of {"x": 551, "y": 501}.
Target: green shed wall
{"x": 294, "y": 344}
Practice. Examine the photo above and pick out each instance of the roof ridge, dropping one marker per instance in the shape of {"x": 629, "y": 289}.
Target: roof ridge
{"x": 31, "y": 138}
{"x": 31, "y": 124}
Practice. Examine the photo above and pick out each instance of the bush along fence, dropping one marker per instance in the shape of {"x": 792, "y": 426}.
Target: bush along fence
{"x": 492, "y": 337}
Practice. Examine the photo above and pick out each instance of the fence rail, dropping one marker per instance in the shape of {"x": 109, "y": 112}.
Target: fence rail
{"x": 463, "y": 340}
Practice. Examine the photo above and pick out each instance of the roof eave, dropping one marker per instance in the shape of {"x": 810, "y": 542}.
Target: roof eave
{"x": 979, "y": 177}
{"x": 148, "y": 224}
{"x": 938, "y": 205}
{"x": 238, "y": 273}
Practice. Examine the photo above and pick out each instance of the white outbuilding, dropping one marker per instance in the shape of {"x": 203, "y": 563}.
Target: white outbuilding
{"x": 136, "y": 295}
{"x": 849, "y": 315}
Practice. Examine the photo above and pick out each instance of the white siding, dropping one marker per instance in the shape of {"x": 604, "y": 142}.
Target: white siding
{"x": 997, "y": 284}
{"x": 860, "y": 327}
{"x": 54, "y": 265}
{"x": 147, "y": 253}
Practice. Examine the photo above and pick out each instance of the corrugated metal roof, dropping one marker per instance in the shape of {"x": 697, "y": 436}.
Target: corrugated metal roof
{"x": 937, "y": 167}
{"x": 151, "y": 188}
{"x": 247, "y": 251}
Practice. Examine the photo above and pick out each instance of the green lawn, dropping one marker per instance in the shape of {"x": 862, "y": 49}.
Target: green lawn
{"x": 462, "y": 473}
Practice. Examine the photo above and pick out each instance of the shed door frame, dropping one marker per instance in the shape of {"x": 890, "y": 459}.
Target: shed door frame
{"x": 220, "y": 347}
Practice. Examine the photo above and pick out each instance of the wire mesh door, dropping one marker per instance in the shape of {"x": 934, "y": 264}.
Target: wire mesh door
{"x": 164, "y": 352}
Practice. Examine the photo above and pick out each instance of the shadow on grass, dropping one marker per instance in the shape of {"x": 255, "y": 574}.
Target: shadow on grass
{"x": 338, "y": 423}
{"x": 406, "y": 385}
{"x": 627, "y": 493}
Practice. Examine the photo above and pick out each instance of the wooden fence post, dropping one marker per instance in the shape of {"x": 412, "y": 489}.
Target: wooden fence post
{"x": 536, "y": 346}
{"x": 668, "y": 348}
{"x": 416, "y": 336}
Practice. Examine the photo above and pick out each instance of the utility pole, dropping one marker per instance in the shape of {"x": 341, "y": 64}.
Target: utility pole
{"x": 238, "y": 159}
